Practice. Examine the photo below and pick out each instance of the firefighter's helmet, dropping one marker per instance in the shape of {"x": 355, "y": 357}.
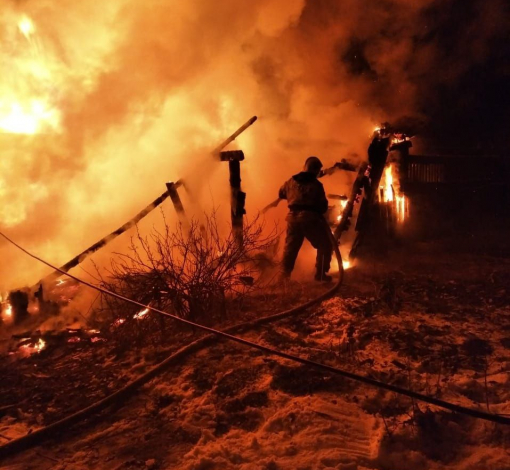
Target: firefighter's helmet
{"x": 313, "y": 165}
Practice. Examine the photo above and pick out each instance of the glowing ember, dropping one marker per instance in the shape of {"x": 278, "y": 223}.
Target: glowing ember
{"x": 34, "y": 348}
{"x": 346, "y": 264}
{"x": 141, "y": 314}
{"x": 33, "y": 308}
{"x": 137, "y": 316}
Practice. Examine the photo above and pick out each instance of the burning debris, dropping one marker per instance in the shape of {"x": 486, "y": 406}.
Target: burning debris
{"x": 27, "y": 343}
{"x": 16, "y": 307}
{"x": 141, "y": 314}
{"x": 5, "y": 311}
{"x": 27, "y": 308}
{"x": 28, "y": 347}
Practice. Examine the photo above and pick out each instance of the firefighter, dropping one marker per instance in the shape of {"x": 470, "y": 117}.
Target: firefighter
{"x": 307, "y": 203}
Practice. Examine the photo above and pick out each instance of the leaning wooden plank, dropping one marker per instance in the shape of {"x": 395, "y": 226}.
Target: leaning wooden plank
{"x": 96, "y": 246}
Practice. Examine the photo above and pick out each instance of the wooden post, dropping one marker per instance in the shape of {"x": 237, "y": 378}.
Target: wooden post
{"x": 237, "y": 197}
{"x": 96, "y": 246}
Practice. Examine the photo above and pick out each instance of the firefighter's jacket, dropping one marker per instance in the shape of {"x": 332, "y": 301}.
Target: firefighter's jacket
{"x": 304, "y": 192}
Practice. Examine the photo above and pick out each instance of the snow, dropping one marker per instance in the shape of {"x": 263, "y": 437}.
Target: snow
{"x": 443, "y": 333}
{"x": 295, "y": 429}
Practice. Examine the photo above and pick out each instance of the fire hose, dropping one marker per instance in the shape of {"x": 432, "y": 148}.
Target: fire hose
{"x": 52, "y": 429}
{"x": 39, "y": 435}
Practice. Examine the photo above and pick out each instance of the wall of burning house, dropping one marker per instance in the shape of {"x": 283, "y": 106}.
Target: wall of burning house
{"x": 101, "y": 104}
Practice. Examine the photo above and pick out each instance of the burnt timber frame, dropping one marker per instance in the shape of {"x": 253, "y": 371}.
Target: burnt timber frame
{"x": 176, "y": 201}
{"x": 237, "y": 197}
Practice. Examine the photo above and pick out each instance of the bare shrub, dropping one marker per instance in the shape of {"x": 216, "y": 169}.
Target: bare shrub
{"x": 193, "y": 272}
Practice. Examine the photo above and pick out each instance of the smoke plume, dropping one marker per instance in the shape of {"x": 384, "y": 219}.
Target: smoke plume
{"x": 101, "y": 103}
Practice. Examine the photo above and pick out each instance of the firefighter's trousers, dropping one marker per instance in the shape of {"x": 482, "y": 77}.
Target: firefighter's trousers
{"x": 313, "y": 227}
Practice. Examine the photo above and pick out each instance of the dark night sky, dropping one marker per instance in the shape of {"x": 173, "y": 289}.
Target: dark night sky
{"x": 473, "y": 112}
{"x": 457, "y": 62}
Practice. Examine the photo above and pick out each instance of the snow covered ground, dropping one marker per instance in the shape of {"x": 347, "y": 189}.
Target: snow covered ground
{"x": 433, "y": 322}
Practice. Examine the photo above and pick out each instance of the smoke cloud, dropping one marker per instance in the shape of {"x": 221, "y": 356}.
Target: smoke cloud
{"x": 102, "y": 103}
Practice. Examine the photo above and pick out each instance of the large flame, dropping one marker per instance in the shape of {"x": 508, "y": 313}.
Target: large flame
{"x": 387, "y": 186}
{"x": 343, "y": 203}
{"x": 390, "y": 193}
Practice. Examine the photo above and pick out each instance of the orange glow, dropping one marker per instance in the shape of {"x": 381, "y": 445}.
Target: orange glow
{"x": 33, "y": 308}
{"x": 8, "y": 310}
{"x": 346, "y": 264}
